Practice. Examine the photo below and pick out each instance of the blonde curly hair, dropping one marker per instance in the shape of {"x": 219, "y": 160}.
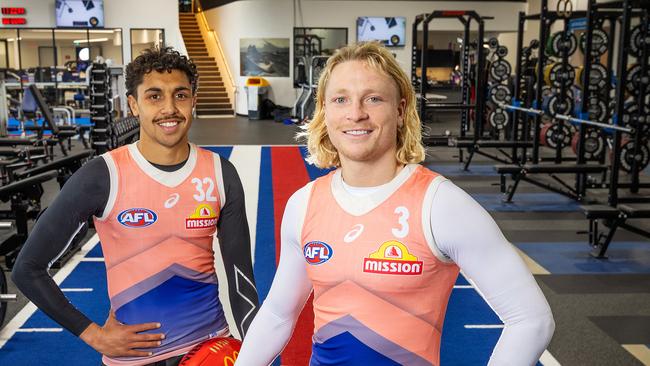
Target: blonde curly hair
{"x": 322, "y": 152}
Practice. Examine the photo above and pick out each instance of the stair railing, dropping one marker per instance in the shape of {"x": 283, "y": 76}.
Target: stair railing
{"x": 213, "y": 45}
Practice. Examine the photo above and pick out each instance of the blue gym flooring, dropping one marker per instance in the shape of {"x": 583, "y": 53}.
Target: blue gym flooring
{"x": 13, "y": 126}
{"x": 460, "y": 345}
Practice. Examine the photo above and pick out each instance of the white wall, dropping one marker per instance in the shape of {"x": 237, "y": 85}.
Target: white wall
{"x": 254, "y": 19}
{"x": 125, "y": 14}
{"x": 275, "y": 19}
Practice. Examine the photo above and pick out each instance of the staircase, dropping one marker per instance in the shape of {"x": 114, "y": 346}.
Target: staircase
{"x": 212, "y": 96}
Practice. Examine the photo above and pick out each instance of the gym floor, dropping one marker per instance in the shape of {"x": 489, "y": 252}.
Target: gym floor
{"x": 601, "y": 307}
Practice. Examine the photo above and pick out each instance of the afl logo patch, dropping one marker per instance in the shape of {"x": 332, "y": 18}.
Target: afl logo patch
{"x": 317, "y": 252}
{"x": 137, "y": 217}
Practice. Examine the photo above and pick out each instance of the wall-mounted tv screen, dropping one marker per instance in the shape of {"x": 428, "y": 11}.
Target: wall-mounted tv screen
{"x": 79, "y": 13}
{"x": 391, "y": 31}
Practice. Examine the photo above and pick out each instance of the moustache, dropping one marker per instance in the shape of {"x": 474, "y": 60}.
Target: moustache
{"x": 180, "y": 118}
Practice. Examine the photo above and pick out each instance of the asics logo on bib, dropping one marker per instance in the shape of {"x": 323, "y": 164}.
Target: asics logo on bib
{"x": 137, "y": 217}
{"x": 353, "y": 234}
{"x": 172, "y": 200}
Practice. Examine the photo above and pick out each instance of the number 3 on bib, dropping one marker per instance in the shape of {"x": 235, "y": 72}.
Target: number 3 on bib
{"x": 402, "y": 220}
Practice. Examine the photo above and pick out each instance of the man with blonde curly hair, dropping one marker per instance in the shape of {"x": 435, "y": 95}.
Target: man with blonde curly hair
{"x": 381, "y": 239}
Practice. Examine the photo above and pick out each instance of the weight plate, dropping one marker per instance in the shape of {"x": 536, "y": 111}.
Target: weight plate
{"x": 500, "y": 70}
{"x": 635, "y": 78}
{"x": 502, "y": 51}
{"x": 561, "y": 42}
{"x": 499, "y": 118}
{"x": 599, "y": 42}
{"x": 598, "y": 77}
{"x": 637, "y": 41}
{"x": 558, "y": 106}
{"x": 628, "y": 157}
{"x": 554, "y": 136}
{"x": 597, "y": 109}
{"x": 594, "y": 144}
{"x": 558, "y": 74}
{"x": 631, "y": 115}
{"x": 500, "y": 93}
{"x": 542, "y": 133}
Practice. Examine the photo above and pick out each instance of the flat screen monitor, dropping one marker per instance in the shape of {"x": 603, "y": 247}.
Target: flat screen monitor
{"x": 391, "y": 31}
{"x": 79, "y": 13}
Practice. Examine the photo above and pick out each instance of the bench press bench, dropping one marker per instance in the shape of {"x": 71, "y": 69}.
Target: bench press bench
{"x": 612, "y": 218}
{"x": 475, "y": 147}
{"x": 521, "y": 172}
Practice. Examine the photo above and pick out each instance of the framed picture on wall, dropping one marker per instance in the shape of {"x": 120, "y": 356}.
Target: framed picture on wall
{"x": 264, "y": 57}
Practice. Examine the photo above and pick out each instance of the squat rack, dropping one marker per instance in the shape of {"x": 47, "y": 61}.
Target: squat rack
{"x": 466, "y": 17}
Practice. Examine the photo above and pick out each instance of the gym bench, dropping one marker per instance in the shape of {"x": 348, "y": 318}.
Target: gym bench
{"x": 25, "y": 196}
{"x": 474, "y": 147}
{"x": 612, "y": 218}
{"x": 71, "y": 161}
{"x": 521, "y": 172}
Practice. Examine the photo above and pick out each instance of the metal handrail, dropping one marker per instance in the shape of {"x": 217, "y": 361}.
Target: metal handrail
{"x": 218, "y": 42}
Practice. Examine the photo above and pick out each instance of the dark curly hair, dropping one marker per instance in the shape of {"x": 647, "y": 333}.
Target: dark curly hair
{"x": 159, "y": 59}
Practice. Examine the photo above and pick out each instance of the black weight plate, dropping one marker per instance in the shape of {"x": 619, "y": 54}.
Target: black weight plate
{"x": 558, "y": 106}
{"x": 502, "y": 51}
{"x": 500, "y": 70}
{"x": 500, "y": 93}
{"x": 598, "y": 77}
{"x": 547, "y": 91}
{"x": 594, "y": 144}
{"x": 558, "y": 136}
{"x": 637, "y": 41}
{"x": 597, "y": 110}
{"x": 632, "y": 116}
{"x": 561, "y": 42}
{"x": 636, "y": 77}
{"x": 628, "y": 157}
{"x": 599, "y": 42}
{"x": 499, "y": 118}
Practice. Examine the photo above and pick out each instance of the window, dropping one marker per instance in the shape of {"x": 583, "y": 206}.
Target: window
{"x": 69, "y": 44}
{"x": 36, "y": 48}
{"x": 9, "y": 55}
{"x": 106, "y": 43}
{"x": 29, "y": 48}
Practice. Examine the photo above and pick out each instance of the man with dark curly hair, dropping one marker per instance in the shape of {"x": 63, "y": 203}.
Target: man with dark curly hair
{"x": 156, "y": 205}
